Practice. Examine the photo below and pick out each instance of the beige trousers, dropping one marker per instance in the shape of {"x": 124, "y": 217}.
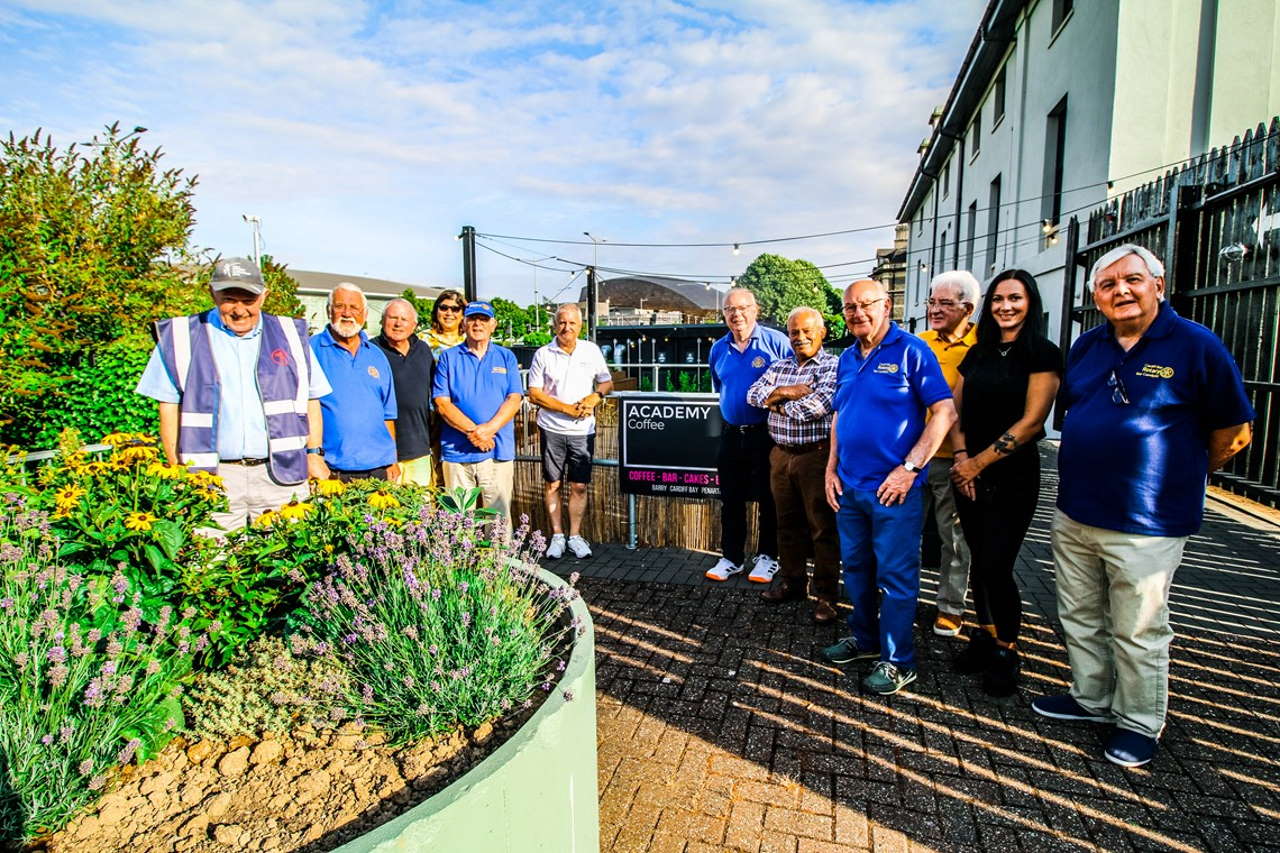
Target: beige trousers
{"x": 250, "y": 493}
{"x": 953, "y": 567}
{"x": 495, "y": 480}
{"x": 1113, "y": 600}
{"x": 418, "y": 471}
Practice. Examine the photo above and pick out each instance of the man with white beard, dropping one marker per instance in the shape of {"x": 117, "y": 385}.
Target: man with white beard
{"x": 360, "y": 414}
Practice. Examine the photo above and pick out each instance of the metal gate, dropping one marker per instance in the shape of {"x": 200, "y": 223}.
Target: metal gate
{"x": 1216, "y": 225}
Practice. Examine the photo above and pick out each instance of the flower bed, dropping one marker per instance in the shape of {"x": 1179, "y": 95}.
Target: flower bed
{"x": 425, "y": 624}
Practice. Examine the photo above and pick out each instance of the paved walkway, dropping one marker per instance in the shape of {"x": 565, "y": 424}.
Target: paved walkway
{"x": 719, "y": 730}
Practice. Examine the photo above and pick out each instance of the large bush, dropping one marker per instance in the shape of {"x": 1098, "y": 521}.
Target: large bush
{"x": 781, "y": 284}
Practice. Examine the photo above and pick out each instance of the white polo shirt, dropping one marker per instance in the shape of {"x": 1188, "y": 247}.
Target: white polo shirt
{"x": 568, "y": 377}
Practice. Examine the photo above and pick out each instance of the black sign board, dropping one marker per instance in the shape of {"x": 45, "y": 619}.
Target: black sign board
{"x": 668, "y": 443}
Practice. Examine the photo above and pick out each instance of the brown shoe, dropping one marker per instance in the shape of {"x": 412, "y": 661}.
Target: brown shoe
{"x": 825, "y": 613}
{"x": 780, "y": 592}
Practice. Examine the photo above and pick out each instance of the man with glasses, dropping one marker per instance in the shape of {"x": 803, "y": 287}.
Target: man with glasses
{"x": 737, "y": 360}
{"x": 880, "y": 442}
{"x": 1154, "y": 402}
{"x": 953, "y": 296}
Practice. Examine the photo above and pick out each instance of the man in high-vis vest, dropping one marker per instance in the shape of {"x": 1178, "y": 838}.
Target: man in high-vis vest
{"x": 239, "y": 394}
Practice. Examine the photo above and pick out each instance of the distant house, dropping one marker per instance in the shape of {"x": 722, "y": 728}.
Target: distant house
{"x": 695, "y": 301}
{"x": 314, "y": 288}
{"x": 1060, "y": 105}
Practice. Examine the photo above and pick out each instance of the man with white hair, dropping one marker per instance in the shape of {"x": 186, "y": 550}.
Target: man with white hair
{"x": 798, "y": 392}
{"x": 1154, "y": 402}
{"x": 568, "y": 378}
{"x": 953, "y": 296}
{"x": 360, "y": 414}
{"x": 412, "y": 368}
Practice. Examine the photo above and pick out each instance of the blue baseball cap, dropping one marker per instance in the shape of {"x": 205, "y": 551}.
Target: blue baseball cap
{"x": 478, "y": 307}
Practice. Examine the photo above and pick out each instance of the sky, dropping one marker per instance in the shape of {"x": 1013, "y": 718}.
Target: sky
{"x": 365, "y": 135}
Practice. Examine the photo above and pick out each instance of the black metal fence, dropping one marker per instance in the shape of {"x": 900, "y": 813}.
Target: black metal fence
{"x": 1215, "y": 222}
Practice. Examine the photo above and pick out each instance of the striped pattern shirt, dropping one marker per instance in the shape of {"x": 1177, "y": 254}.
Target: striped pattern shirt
{"x": 808, "y": 419}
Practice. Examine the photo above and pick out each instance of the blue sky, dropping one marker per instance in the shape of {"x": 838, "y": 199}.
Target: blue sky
{"x": 366, "y": 134}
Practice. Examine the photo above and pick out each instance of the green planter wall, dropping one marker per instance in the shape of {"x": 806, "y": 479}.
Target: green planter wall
{"x": 536, "y": 792}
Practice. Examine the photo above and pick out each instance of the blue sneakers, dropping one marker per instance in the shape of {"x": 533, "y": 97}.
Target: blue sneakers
{"x": 1063, "y": 707}
{"x": 1130, "y": 749}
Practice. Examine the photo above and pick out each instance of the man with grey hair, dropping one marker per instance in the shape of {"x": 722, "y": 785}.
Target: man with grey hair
{"x": 567, "y": 379}
{"x": 412, "y": 369}
{"x": 360, "y": 414}
{"x": 1153, "y": 402}
{"x": 798, "y": 392}
{"x": 953, "y": 296}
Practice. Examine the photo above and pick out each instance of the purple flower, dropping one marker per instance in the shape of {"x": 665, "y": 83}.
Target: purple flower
{"x": 366, "y": 693}
{"x": 546, "y": 685}
{"x": 6, "y": 603}
{"x": 46, "y": 740}
{"x": 85, "y": 768}
{"x": 96, "y": 783}
{"x": 120, "y": 585}
{"x": 132, "y": 619}
{"x": 65, "y": 733}
{"x": 463, "y": 587}
{"x": 560, "y": 666}
{"x": 93, "y": 694}
{"x": 56, "y": 654}
{"x": 58, "y": 675}
{"x": 125, "y": 755}
{"x": 466, "y": 618}
{"x": 433, "y": 650}
{"x": 21, "y": 659}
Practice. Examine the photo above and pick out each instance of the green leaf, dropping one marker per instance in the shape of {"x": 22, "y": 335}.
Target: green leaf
{"x": 170, "y": 536}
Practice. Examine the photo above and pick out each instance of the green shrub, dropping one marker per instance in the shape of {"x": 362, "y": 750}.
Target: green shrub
{"x": 267, "y": 688}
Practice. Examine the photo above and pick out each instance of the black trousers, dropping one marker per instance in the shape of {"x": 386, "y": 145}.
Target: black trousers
{"x": 994, "y": 526}
{"x": 368, "y": 474}
{"x": 744, "y": 476}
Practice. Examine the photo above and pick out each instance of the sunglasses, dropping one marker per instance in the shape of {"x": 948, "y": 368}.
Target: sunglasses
{"x": 1119, "y": 395}
{"x": 452, "y": 309}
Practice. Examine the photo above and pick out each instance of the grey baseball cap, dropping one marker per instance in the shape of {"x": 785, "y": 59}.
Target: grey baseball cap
{"x": 240, "y": 273}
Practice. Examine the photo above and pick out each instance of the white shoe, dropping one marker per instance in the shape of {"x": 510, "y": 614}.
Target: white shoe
{"x": 555, "y": 550}
{"x": 579, "y": 547}
{"x": 764, "y": 569}
{"x": 723, "y": 570}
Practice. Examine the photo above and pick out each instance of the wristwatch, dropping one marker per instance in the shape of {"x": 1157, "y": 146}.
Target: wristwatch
{"x": 315, "y": 451}
{"x": 908, "y": 465}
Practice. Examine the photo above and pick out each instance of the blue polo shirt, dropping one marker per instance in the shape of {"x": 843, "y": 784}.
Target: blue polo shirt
{"x": 478, "y": 386}
{"x": 881, "y": 402}
{"x": 1141, "y": 467}
{"x": 363, "y": 399}
{"x": 733, "y": 372}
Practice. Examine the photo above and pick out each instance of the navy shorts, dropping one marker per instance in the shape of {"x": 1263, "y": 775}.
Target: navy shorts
{"x": 567, "y": 457}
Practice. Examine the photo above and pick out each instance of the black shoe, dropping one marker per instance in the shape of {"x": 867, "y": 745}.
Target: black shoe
{"x": 976, "y": 656}
{"x": 1001, "y": 675}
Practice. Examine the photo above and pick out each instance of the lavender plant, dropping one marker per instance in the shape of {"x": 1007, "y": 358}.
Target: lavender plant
{"x": 85, "y": 684}
{"x": 437, "y": 625}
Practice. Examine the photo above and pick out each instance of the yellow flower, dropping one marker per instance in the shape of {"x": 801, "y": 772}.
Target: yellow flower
{"x": 267, "y": 519}
{"x": 205, "y": 480}
{"x": 67, "y": 498}
{"x": 95, "y": 468}
{"x": 329, "y": 488}
{"x": 294, "y": 511}
{"x": 62, "y": 512}
{"x": 328, "y": 549}
{"x": 140, "y": 521}
{"x": 383, "y": 499}
{"x": 165, "y": 472}
{"x": 117, "y": 439}
{"x": 137, "y": 453}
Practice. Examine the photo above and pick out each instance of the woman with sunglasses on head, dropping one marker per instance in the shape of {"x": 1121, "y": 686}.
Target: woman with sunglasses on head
{"x": 446, "y": 322}
{"x": 1006, "y": 388}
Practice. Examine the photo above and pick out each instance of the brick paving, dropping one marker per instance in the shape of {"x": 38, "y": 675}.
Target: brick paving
{"x": 718, "y": 729}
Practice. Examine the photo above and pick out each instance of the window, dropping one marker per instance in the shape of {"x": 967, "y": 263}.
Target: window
{"x": 946, "y": 179}
{"x": 993, "y": 224}
{"x": 997, "y": 98}
{"x": 1061, "y": 9}
{"x": 969, "y": 234}
{"x": 920, "y": 224}
{"x": 975, "y": 134}
{"x": 1055, "y": 138}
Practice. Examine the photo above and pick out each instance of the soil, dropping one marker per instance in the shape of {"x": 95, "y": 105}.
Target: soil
{"x": 308, "y": 791}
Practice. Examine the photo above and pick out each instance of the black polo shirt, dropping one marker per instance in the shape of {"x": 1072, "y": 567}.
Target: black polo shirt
{"x": 412, "y": 374}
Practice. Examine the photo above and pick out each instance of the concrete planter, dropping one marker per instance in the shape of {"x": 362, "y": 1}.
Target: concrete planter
{"x": 536, "y": 792}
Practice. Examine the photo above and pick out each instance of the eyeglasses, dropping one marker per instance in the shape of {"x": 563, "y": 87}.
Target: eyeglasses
{"x": 736, "y": 310}
{"x": 865, "y": 305}
{"x": 945, "y": 304}
{"x": 1119, "y": 395}
{"x": 452, "y": 309}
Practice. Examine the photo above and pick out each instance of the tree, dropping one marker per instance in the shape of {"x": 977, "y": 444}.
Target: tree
{"x": 781, "y": 284}
{"x": 423, "y": 306}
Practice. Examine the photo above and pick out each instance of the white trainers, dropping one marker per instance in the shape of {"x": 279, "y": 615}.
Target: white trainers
{"x": 555, "y": 550}
{"x": 723, "y": 570}
{"x": 764, "y": 569}
{"x": 579, "y": 547}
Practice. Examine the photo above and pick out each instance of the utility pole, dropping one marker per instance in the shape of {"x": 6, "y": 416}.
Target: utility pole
{"x": 592, "y": 319}
{"x": 468, "y": 238}
{"x": 256, "y": 223}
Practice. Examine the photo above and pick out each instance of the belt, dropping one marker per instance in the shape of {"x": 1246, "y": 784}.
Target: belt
{"x": 825, "y": 444}
{"x": 248, "y": 463}
{"x": 743, "y": 429}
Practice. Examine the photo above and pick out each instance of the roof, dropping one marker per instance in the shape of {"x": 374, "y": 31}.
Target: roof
{"x": 990, "y": 43}
{"x": 323, "y": 282}
{"x": 659, "y": 293}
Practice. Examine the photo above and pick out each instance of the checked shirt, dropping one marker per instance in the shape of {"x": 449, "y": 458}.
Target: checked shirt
{"x": 808, "y": 419}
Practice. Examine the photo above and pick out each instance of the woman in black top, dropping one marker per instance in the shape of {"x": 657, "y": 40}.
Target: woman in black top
{"x": 1006, "y": 387}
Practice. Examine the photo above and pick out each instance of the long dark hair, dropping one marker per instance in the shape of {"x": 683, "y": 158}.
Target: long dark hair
{"x": 435, "y": 306}
{"x": 1032, "y": 327}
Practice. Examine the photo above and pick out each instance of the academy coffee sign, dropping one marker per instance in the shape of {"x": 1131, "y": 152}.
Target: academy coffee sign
{"x": 668, "y": 444}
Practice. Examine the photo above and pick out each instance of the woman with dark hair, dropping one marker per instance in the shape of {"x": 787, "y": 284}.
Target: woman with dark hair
{"x": 446, "y": 321}
{"x": 1007, "y": 385}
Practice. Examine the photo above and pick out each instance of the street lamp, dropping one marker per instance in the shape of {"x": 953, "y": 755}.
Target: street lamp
{"x": 256, "y": 223}
{"x": 595, "y": 247}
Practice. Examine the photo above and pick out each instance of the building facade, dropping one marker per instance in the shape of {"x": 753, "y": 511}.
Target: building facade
{"x": 1061, "y": 104}
{"x": 891, "y": 270}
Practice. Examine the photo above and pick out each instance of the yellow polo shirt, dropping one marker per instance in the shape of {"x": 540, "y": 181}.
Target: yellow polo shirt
{"x": 950, "y": 354}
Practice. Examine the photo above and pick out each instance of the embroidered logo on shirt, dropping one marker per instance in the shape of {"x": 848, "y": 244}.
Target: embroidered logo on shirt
{"x": 1156, "y": 371}
{"x": 757, "y": 362}
{"x": 499, "y": 369}
{"x": 373, "y": 371}
{"x": 280, "y": 357}
{"x": 887, "y": 367}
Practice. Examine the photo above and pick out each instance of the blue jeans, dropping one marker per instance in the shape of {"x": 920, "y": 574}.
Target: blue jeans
{"x": 880, "y": 552}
